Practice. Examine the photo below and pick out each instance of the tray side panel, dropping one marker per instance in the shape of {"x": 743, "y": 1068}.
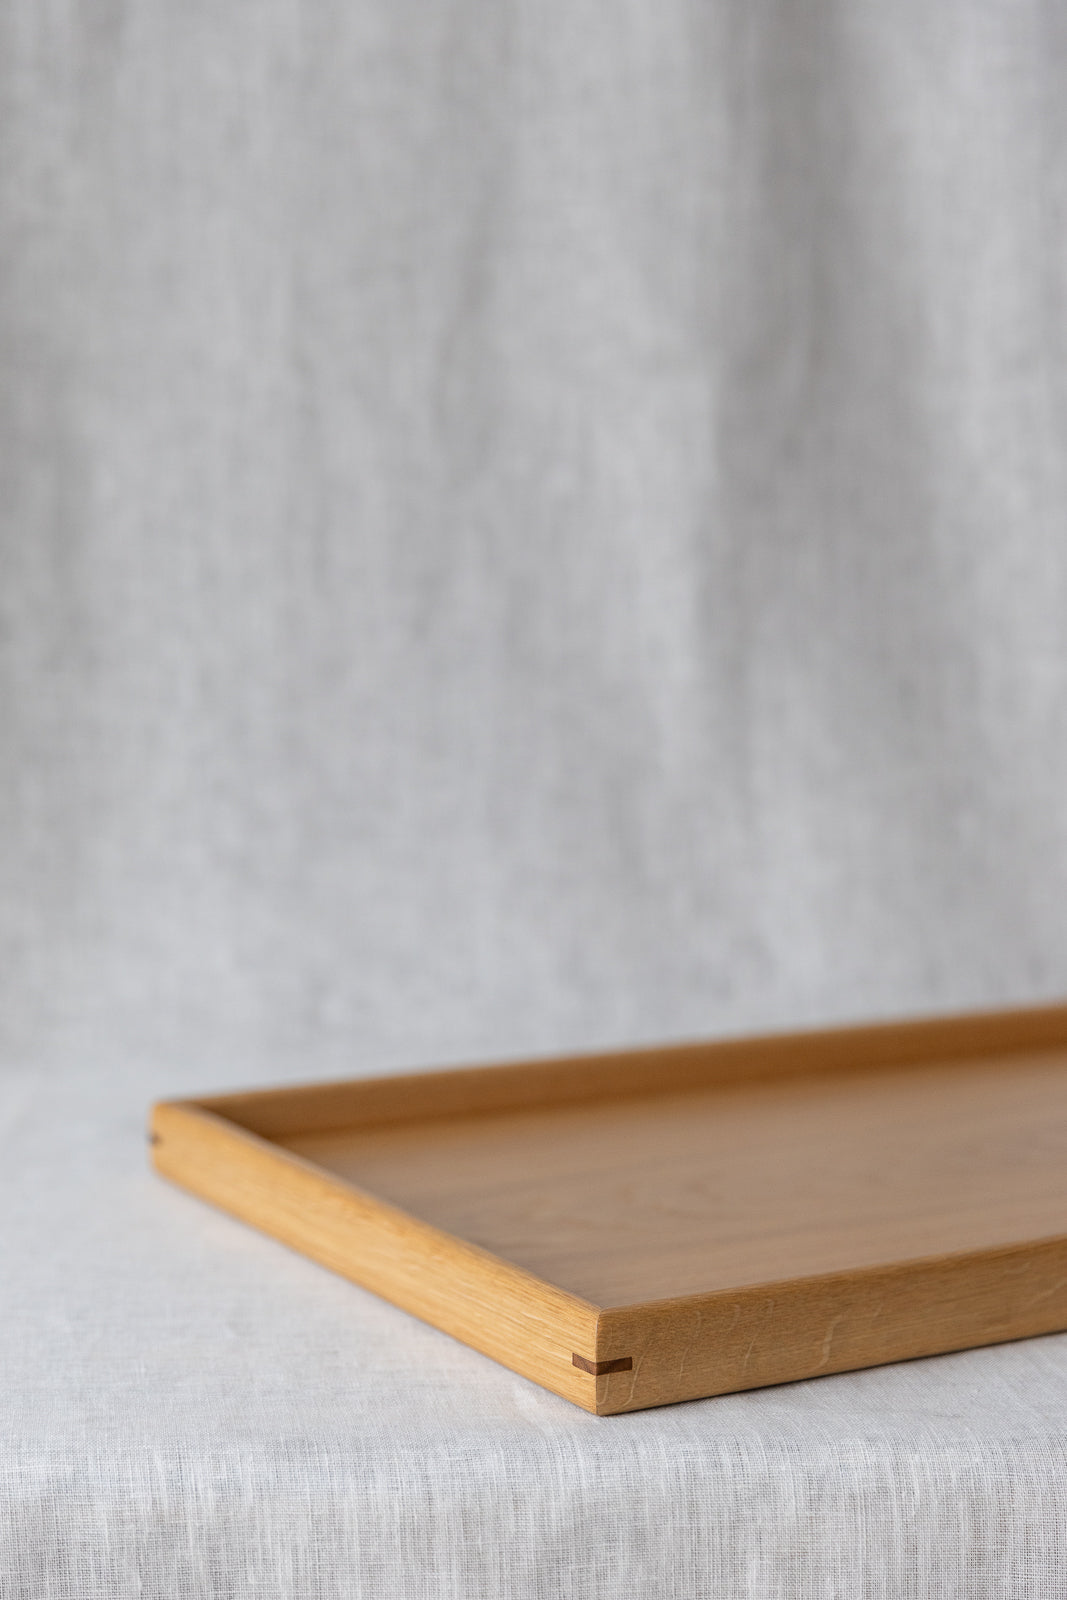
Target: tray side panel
{"x": 506, "y": 1313}
{"x": 311, "y": 1108}
{"x": 778, "y": 1333}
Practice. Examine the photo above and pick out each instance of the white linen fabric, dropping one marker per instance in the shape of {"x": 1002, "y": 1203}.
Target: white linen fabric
{"x": 522, "y": 528}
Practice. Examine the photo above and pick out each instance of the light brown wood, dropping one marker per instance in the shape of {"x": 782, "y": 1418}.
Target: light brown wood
{"x": 656, "y": 1197}
{"x": 496, "y": 1307}
{"x": 810, "y": 1327}
{"x": 660, "y": 1225}
{"x": 320, "y": 1107}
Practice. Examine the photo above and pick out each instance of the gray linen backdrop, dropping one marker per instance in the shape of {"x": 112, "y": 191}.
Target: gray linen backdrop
{"x": 523, "y": 527}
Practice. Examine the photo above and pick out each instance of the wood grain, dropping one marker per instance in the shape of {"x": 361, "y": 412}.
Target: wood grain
{"x": 532, "y": 1327}
{"x": 807, "y": 1328}
{"x": 653, "y": 1198}
{"x": 636, "y": 1229}
{"x": 317, "y": 1107}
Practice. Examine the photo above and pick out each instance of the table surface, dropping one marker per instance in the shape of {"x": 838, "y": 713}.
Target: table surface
{"x": 192, "y": 1410}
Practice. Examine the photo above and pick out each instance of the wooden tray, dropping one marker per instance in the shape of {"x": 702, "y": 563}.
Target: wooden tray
{"x": 639, "y": 1228}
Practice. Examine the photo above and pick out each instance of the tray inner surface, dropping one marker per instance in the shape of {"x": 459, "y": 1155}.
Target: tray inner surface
{"x": 620, "y": 1201}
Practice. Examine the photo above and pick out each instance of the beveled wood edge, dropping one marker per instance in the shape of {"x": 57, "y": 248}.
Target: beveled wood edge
{"x": 496, "y": 1307}
{"x": 729, "y": 1340}
{"x": 318, "y": 1107}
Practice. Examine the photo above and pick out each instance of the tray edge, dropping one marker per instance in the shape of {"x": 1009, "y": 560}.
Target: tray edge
{"x": 520, "y": 1085}
{"x": 524, "y": 1323}
{"x": 737, "y": 1339}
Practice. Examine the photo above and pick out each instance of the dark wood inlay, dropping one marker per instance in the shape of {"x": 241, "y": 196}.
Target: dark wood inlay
{"x": 599, "y": 1368}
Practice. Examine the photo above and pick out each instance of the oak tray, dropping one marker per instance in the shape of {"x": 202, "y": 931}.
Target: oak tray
{"x": 663, "y": 1224}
